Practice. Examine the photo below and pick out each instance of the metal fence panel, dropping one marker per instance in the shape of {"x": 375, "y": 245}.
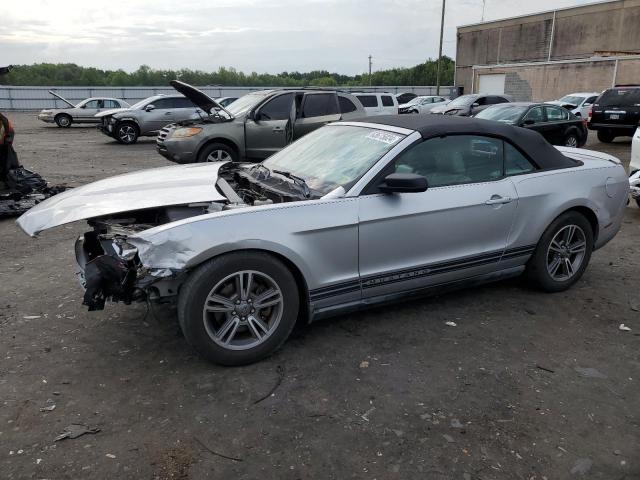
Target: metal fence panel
{"x": 37, "y": 98}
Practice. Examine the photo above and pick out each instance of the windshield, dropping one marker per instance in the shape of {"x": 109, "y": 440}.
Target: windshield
{"x": 333, "y": 156}
{"x": 463, "y": 101}
{"x": 572, "y": 99}
{"x": 506, "y": 114}
{"x": 245, "y": 103}
{"x": 620, "y": 97}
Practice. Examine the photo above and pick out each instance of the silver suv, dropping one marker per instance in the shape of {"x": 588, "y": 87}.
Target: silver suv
{"x": 147, "y": 117}
{"x": 255, "y": 126}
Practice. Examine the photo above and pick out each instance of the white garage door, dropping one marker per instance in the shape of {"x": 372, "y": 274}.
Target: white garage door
{"x": 491, "y": 83}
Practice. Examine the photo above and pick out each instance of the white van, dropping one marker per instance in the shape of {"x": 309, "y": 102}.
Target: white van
{"x": 376, "y": 103}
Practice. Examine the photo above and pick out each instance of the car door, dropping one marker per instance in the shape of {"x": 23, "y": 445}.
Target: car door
{"x": 556, "y": 124}
{"x": 156, "y": 118}
{"x": 184, "y": 109}
{"x": 535, "y": 119}
{"x": 270, "y": 129}
{"x": 456, "y": 229}
{"x": 316, "y": 110}
{"x": 87, "y": 111}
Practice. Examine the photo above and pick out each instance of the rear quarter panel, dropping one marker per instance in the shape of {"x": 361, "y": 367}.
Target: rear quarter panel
{"x": 543, "y": 196}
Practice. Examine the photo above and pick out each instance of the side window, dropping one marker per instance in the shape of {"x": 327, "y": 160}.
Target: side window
{"x": 556, "y": 114}
{"x": 92, "y": 104}
{"x": 589, "y": 101}
{"x": 162, "y": 103}
{"x": 454, "y": 160}
{"x": 319, "y": 104}
{"x": 278, "y": 108}
{"x": 482, "y": 101}
{"x": 387, "y": 101}
{"x": 111, "y": 104}
{"x": 368, "y": 100}
{"x": 535, "y": 114}
{"x": 500, "y": 100}
{"x": 346, "y": 105}
{"x": 181, "y": 102}
{"x": 514, "y": 162}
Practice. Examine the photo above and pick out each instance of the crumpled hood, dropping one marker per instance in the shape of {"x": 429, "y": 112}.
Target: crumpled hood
{"x": 111, "y": 111}
{"x": 158, "y": 187}
{"x": 562, "y": 104}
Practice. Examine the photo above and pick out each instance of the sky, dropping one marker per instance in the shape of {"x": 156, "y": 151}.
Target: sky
{"x": 250, "y": 35}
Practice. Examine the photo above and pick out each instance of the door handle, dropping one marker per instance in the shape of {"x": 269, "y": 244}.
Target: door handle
{"x": 498, "y": 200}
{"x": 169, "y": 113}
{"x": 278, "y": 129}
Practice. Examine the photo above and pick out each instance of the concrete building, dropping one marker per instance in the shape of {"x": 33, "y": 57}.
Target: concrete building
{"x": 547, "y": 55}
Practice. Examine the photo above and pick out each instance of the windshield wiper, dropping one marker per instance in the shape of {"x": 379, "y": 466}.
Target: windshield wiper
{"x": 297, "y": 180}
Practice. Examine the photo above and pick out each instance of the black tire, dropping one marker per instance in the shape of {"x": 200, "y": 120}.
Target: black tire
{"x": 217, "y": 152}
{"x": 127, "y": 133}
{"x": 199, "y": 329}
{"x": 638, "y": 202}
{"x": 63, "y": 120}
{"x": 606, "y": 136}
{"x": 537, "y": 267}
{"x": 571, "y": 140}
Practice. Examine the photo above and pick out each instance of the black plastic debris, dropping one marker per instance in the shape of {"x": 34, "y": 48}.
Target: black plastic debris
{"x": 75, "y": 430}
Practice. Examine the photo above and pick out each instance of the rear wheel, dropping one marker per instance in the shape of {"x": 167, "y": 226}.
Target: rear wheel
{"x": 606, "y": 136}
{"x": 238, "y": 308}
{"x": 571, "y": 140}
{"x": 127, "y": 133}
{"x": 562, "y": 254}
{"x": 63, "y": 120}
{"x": 217, "y": 152}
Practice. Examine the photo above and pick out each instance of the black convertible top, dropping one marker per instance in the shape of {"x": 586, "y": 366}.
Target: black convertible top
{"x": 545, "y": 155}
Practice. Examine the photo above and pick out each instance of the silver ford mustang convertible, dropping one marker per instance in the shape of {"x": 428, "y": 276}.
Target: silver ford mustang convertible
{"x": 352, "y": 215}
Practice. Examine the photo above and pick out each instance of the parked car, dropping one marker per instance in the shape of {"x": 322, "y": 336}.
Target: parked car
{"x": 225, "y": 101}
{"x": 254, "y": 126}
{"x": 352, "y": 215}
{"x": 405, "y": 97}
{"x": 558, "y": 125}
{"x": 147, "y": 117}
{"x": 83, "y": 112}
{"x": 634, "y": 167}
{"x": 423, "y": 104}
{"x": 577, "y": 103}
{"x": 378, "y": 103}
{"x": 468, "y": 105}
{"x": 616, "y": 113}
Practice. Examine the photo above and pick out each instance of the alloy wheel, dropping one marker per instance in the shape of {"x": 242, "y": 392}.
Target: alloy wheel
{"x": 242, "y": 310}
{"x": 566, "y": 252}
{"x": 571, "y": 141}
{"x": 218, "y": 156}
{"x": 127, "y": 133}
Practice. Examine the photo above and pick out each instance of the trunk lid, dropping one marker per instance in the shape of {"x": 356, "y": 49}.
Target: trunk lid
{"x": 158, "y": 187}
{"x": 590, "y": 158}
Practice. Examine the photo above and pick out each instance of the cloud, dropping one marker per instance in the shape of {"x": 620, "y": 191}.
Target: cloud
{"x": 250, "y": 35}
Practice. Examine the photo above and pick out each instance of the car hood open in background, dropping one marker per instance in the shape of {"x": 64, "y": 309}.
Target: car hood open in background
{"x": 201, "y": 99}
{"x": 568, "y": 106}
{"x": 158, "y": 187}
{"x": 62, "y": 98}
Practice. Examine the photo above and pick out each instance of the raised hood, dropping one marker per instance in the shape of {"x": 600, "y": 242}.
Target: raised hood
{"x": 158, "y": 187}
{"x": 201, "y": 99}
{"x": 62, "y": 98}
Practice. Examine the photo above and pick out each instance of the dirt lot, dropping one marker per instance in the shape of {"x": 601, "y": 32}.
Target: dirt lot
{"x": 527, "y": 386}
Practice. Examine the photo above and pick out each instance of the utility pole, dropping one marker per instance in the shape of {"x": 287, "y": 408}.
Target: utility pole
{"x": 440, "y": 50}
{"x": 484, "y": 4}
{"x": 369, "y": 69}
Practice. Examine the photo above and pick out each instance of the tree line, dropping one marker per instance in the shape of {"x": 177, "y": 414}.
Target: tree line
{"x": 70, "y": 74}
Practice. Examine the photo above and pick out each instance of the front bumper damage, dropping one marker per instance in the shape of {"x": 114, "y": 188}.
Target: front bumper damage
{"x": 109, "y": 268}
{"x": 634, "y": 185}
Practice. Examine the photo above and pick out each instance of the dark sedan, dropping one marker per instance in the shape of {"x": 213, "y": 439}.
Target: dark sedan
{"x": 558, "y": 125}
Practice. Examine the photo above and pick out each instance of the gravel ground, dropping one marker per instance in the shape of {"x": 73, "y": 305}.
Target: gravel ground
{"x": 527, "y": 386}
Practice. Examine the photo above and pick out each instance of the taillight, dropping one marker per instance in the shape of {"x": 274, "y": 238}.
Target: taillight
{"x": 590, "y": 113}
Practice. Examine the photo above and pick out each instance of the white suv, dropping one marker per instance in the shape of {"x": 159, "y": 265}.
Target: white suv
{"x": 378, "y": 103}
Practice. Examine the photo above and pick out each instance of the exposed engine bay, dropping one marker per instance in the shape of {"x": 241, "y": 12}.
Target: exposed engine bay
{"x": 110, "y": 268}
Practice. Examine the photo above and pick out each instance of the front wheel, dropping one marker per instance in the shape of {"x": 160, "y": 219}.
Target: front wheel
{"x": 238, "y": 308}
{"x": 562, "y": 254}
{"x": 63, "y": 120}
{"x": 127, "y": 133}
{"x": 217, "y": 152}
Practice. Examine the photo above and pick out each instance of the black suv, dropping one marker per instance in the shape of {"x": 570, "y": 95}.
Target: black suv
{"x": 616, "y": 112}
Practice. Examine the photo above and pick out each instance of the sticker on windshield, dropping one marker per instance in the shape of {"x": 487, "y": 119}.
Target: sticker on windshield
{"x": 384, "y": 137}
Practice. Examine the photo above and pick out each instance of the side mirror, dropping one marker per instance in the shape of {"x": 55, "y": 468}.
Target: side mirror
{"x": 403, "y": 183}
{"x": 149, "y": 107}
{"x": 474, "y": 105}
{"x": 528, "y": 121}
